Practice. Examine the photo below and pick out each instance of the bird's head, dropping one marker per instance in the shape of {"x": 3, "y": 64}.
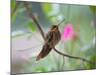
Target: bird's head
{"x": 56, "y": 27}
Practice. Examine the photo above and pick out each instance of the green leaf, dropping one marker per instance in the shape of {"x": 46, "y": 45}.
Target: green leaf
{"x": 93, "y": 9}
{"x": 13, "y": 4}
{"x": 91, "y": 66}
{"x": 47, "y": 8}
{"x": 40, "y": 69}
{"x": 93, "y": 59}
{"x": 13, "y": 18}
{"x": 31, "y": 26}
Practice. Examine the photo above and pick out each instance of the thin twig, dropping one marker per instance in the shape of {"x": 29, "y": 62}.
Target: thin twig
{"x": 34, "y": 19}
{"x": 42, "y": 33}
{"x": 63, "y": 61}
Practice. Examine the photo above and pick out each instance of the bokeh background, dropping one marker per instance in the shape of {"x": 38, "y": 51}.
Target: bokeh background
{"x": 26, "y": 41}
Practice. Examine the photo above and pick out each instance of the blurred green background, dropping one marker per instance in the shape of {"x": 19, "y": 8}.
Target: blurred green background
{"x": 25, "y": 34}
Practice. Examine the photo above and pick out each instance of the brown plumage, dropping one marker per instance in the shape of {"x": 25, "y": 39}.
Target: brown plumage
{"x": 52, "y": 38}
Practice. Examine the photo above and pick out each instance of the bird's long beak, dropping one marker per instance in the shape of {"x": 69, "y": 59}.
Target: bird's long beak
{"x": 60, "y": 22}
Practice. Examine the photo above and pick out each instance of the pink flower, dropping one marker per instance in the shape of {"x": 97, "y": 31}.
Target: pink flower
{"x": 68, "y": 33}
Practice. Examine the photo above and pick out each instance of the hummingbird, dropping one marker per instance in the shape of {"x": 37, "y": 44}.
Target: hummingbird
{"x": 52, "y": 38}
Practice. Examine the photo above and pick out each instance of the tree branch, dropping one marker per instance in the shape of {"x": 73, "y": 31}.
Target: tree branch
{"x": 42, "y": 33}
{"x": 73, "y": 57}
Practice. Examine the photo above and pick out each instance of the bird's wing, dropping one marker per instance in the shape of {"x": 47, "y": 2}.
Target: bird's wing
{"x": 49, "y": 36}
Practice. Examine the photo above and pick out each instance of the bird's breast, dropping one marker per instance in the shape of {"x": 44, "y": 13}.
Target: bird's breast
{"x": 56, "y": 37}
